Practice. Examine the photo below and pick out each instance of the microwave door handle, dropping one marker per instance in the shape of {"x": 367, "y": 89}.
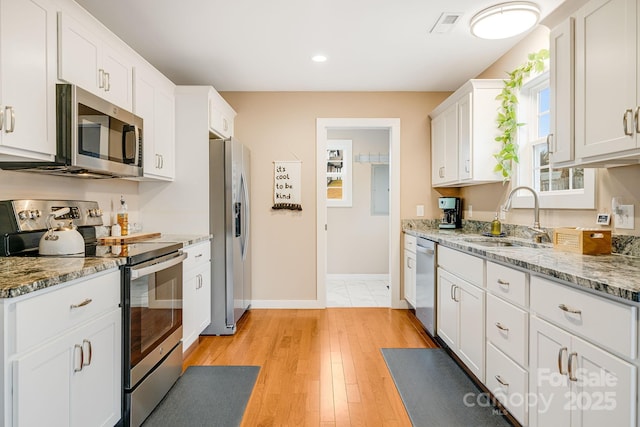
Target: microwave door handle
{"x": 136, "y": 135}
{"x": 145, "y": 271}
{"x": 125, "y": 130}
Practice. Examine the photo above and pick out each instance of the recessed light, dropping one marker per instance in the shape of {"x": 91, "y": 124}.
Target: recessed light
{"x": 318, "y": 58}
{"x": 505, "y": 20}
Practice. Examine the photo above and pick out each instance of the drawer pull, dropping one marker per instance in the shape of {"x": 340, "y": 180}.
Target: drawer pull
{"x": 562, "y": 350}
{"x": 502, "y": 282}
{"x": 501, "y": 381}
{"x": 564, "y": 307}
{"x": 573, "y": 355}
{"x": 82, "y": 304}
{"x": 501, "y": 327}
{"x": 199, "y": 255}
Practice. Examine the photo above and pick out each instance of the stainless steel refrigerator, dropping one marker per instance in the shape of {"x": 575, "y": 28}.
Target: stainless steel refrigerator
{"x": 229, "y": 210}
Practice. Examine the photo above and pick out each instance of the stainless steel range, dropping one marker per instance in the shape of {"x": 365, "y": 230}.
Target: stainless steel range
{"x": 151, "y": 293}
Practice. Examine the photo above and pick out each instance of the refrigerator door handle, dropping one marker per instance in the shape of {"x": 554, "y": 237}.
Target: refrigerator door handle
{"x": 244, "y": 191}
{"x": 237, "y": 219}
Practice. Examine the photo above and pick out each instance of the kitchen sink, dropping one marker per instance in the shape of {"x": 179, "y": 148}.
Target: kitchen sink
{"x": 501, "y": 242}
{"x": 493, "y": 242}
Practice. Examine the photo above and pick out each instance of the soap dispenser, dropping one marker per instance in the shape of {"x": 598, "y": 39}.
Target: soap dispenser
{"x": 496, "y": 227}
{"x": 123, "y": 217}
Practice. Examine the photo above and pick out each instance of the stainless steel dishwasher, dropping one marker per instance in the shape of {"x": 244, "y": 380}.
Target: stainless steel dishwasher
{"x": 426, "y": 284}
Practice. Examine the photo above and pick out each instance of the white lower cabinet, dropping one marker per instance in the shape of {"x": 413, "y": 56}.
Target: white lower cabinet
{"x": 74, "y": 380}
{"x": 575, "y": 383}
{"x": 196, "y": 292}
{"x": 409, "y": 269}
{"x": 508, "y": 382}
{"x": 461, "y": 320}
{"x": 66, "y": 370}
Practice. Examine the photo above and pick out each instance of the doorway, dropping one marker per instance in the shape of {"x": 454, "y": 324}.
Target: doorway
{"x": 328, "y": 129}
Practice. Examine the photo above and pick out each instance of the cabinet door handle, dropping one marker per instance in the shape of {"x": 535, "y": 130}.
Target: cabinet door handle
{"x": 451, "y": 293}
{"x": 75, "y": 348}
{"x": 502, "y": 282}
{"x": 107, "y": 85}
{"x": 568, "y": 309}
{"x": 11, "y": 126}
{"x": 467, "y": 165}
{"x": 101, "y": 78}
{"x": 455, "y": 288}
{"x": 635, "y": 118}
{"x": 1, "y": 118}
{"x": 501, "y": 327}
{"x": 225, "y": 125}
{"x": 572, "y": 356}
{"x": 441, "y": 172}
{"x": 82, "y": 304}
{"x": 90, "y": 351}
{"x": 501, "y": 381}
{"x": 625, "y": 122}
{"x": 549, "y": 149}
{"x": 562, "y": 350}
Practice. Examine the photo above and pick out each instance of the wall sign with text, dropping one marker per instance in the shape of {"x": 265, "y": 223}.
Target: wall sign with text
{"x": 286, "y": 185}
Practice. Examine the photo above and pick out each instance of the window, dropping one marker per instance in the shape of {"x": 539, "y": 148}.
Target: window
{"x": 558, "y": 188}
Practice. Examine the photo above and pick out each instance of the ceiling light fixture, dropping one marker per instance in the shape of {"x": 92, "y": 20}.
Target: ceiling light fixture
{"x": 505, "y": 20}
{"x": 318, "y": 58}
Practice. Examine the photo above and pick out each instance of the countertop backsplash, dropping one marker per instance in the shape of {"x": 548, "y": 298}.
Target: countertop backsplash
{"x": 621, "y": 244}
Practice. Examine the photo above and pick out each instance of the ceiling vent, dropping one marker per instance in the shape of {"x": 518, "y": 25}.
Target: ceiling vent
{"x": 446, "y": 22}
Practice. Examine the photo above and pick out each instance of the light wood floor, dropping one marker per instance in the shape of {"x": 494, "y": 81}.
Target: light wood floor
{"x": 318, "y": 367}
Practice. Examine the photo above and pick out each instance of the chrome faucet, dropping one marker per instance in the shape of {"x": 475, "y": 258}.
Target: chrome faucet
{"x": 539, "y": 232}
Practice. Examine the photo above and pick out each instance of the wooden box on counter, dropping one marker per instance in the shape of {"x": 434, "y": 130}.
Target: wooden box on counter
{"x": 582, "y": 241}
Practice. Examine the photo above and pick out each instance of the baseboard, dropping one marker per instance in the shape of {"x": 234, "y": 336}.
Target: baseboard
{"x": 358, "y": 277}
{"x": 286, "y": 304}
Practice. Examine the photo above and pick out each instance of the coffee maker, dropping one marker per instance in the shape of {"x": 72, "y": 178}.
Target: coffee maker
{"x": 452, "y": 212}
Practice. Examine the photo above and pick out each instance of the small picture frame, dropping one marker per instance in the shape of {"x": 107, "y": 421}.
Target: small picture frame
{"x": 603, "y": 219}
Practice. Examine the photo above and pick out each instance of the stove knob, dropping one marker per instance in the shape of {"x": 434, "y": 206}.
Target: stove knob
{"x": 34, "y": 214}
{"x": 94, "y": 213}
{"x": 23, "y": 215}
{"x": 98, "y": 212}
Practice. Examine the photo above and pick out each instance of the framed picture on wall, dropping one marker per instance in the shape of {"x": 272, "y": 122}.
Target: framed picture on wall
{"x": 339, "y": 173}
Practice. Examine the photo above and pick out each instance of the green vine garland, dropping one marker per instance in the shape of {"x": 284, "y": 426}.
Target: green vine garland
{"x": 507, "y": 120}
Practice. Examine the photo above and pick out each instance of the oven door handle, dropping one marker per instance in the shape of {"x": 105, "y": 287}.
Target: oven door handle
{"x": 145, "y": 271}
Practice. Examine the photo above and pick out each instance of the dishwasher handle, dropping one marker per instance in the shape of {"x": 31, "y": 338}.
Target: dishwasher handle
{"x": 425, "y": 250}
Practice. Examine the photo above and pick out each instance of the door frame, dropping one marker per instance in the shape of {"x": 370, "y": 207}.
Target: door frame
{"x": 393, "y": 126}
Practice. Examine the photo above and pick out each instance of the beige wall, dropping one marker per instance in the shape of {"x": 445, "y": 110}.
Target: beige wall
{"x": 611, "y": 182}
{"x": 357, "y": 241}
{"x": 282, "y": 126}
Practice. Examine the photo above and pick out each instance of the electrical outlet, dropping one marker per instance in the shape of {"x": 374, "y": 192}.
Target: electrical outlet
{"x": 470, "y": 211}
{"x": 420, "y": 210}
{"x": 624, "y": 217}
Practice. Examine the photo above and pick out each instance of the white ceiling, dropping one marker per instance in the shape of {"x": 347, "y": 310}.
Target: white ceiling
{"x": 259, "y": 45}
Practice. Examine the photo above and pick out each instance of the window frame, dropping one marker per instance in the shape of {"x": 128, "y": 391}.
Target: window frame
{"x": 524, "y": 172}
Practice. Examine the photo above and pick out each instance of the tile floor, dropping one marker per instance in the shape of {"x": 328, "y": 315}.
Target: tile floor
{"x": 358, "y": 290}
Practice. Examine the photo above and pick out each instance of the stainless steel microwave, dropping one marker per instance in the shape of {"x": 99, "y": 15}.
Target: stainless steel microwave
{"x": 94, "y": 138}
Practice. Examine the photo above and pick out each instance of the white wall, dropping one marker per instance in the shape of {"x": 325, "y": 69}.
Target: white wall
{"x": 357, "y": 241}
{"x": 25, "y": 185}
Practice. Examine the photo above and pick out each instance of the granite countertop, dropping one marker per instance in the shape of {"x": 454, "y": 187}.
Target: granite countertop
{"x": 616, "y": 275}
{"x": 22, "y": 275}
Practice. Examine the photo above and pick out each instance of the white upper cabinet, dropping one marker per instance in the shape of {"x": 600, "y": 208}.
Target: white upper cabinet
{"x": 561, "y": 63}
{"x": 27, "y": 80}
{"x": 221, "y": 115}
{"x": 90, "y": 60}
{"x": 444, "y": 147}
{"x": 463, "y": 132}
{"x": 606, "y": 92}
{"x": 154, "y": 101}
